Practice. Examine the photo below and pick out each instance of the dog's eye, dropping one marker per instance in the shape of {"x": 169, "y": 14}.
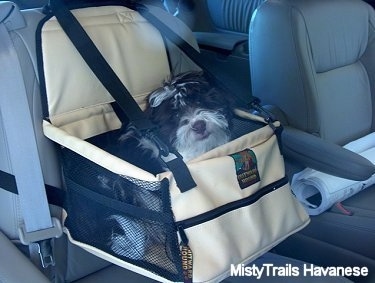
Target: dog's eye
{"x": 184, "y": 122}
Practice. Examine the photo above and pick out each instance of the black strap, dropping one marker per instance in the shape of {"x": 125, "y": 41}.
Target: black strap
{"x": 55, "y": 195}
{"x": 116, "y": 88}
{"x": 99, "y": 65}
{"x": 8, "y": 182}
{"x": 190, "y": 51}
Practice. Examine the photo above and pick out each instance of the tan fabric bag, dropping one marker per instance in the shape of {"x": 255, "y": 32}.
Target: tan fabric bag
{"x": 241, "y": 207}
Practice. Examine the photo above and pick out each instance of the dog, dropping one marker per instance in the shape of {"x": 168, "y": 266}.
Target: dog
{"x": 192, "y": 114}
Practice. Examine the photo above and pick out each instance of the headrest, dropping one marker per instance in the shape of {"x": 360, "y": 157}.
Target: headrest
{"x": 11, "y": 16}
{"x": 337, "y": 30}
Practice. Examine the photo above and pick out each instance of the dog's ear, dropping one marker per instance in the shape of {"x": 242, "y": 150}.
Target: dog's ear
{"x": 172, "y": 92}
{"x": 177, "y": 87}
{"x": 160, "y": 95}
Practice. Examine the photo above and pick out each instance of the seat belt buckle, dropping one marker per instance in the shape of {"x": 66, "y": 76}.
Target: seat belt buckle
{"x": 27, "y": 238}
{"x": 42, "y": 238}
{"x": 46, "y": 253}
{"x": 163, "y": 148}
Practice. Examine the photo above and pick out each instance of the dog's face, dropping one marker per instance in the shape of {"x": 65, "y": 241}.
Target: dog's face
{"x": 192, "y": 114}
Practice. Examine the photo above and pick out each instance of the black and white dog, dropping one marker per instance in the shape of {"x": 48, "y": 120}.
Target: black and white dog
{"x": 193, "y": 116}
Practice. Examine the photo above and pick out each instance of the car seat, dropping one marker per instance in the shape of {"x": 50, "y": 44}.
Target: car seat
{"x": 313, "y": 63}
{"x": 314, "y": 67}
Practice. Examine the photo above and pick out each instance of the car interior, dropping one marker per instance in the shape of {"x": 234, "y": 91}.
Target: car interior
{"x": 311, "y": 63}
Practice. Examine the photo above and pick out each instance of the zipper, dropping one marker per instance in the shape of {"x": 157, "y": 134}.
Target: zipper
{"x": 185, "y": 250}
{"x": 209, "y": 215}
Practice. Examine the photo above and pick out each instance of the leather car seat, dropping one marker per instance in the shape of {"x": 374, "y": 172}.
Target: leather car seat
{"x": 313, "y": 63}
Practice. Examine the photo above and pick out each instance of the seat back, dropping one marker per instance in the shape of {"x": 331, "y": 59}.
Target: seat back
{"x": 315, "y": 61}
{"x": 232, "y": 16}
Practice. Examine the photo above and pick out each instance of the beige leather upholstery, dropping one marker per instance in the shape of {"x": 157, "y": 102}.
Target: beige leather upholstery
{"x": 315, "y": 61}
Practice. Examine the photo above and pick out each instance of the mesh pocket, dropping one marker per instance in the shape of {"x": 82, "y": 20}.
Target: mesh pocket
{"x": 128, "y": 218}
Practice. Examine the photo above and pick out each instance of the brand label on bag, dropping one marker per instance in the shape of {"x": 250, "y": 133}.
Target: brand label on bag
{"x": 187, "y": 263}
{"x": 246, "y": 168}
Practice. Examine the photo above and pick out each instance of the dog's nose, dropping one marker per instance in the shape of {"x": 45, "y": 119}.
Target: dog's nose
{"x": 199, "y": 126}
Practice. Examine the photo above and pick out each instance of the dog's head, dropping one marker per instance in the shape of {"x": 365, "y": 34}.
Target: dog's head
{"x": 193, "y": 115}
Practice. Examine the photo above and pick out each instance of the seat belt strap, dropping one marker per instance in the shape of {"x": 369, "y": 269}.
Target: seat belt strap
{"x": 189, "y": 51}
{"x": 23, "y": 159}
{"x": 55, "y": 195}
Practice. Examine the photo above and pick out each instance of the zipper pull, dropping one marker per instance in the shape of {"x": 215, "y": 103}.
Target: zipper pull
{"x": 186, "y": 256}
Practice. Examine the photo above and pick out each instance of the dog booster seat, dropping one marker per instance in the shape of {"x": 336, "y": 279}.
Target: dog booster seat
{"x": 241, "y": 206}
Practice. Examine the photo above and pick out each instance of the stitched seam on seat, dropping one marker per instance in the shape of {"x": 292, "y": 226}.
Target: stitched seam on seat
{"x": 308, "y": 101}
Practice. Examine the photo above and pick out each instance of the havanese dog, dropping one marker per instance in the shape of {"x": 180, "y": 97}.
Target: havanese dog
{"x": 192, "y": 114}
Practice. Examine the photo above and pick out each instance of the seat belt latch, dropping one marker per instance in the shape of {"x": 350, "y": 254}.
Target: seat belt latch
{"x": 46, "y": 253}
{"x": 27, "y": 238}
{"x": 42, "y": 238}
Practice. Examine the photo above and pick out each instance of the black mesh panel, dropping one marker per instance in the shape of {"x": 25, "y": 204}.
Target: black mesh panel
{"x": 125, "y": 217}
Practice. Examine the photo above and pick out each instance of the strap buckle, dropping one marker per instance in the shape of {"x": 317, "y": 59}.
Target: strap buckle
{"x": 163, "y": 148}
{"x": 268, "y": 118}
{"x": 171, "y": 159}
{"x": 42, "y": 238}
{"x": 255, "y": 104}
{"x": 27, "y": 238}
{"x": 46, "y": 253}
